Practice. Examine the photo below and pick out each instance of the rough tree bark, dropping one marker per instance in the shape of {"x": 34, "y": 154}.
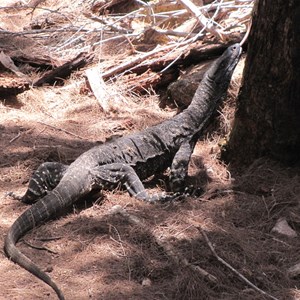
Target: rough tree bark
{"x": 267, "y": 120}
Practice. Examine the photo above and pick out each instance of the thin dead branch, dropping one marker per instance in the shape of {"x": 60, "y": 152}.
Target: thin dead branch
{"x": 126, "y": 66}
{"x": 63, "y": 130}
{"x": 39, "y": 247}
{"x": 226, "y": 264}
{"x": 112, "y": 26}
{"x": 205, "y": 22}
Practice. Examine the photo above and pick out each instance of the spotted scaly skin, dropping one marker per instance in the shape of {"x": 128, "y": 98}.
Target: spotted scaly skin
{"x": 126, "y": 161}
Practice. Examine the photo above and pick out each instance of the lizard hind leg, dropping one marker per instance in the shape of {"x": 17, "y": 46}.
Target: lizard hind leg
{"x": 44, "y": 179}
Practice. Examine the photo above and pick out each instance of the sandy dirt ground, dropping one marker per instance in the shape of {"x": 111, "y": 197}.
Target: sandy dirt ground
{"x": 91, "y": 252}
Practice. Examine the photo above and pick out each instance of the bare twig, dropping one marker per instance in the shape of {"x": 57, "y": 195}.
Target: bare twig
{"x": 40, "y": 31}
{"x": 39, "y": 247}
{"x": 51, "y": 238}
{"x": 15, "y": 138}
{"x": 19, "y": 135}
{"x": 117, "y": 37}
{"x": 246, "y": 34}
{"x": 137, "y": 60}
{"x": 202, "y": 19}
{"x": 221, "y": 260}
{"x": 112, "y": 26}
{"x": 61, "y": 129}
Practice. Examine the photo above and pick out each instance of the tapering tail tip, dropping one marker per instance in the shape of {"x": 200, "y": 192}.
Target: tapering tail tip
{"x": 14, "y": 254}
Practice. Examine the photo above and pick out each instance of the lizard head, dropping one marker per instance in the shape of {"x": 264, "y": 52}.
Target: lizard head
{"x": 222, "y": 69}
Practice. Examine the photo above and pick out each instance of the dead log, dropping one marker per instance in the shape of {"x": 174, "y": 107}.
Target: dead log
{"x": 64, "y": 70}
{"x": 193, "y": 55}
{"x": 181, "y": 91}
{"x": 41, "y": 61}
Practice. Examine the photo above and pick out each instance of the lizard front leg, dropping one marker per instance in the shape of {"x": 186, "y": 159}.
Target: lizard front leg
{"x": 44, "y": 179}
{"x": 110, "y": 175}
{"x": 179, "y": 168}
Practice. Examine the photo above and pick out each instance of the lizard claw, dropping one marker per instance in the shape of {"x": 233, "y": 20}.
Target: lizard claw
{"x": 192, "y": 191}
{"x": 13, "y": 196}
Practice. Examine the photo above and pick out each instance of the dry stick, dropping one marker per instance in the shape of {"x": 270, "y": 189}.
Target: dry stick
{"x": 221, "y": 260}
{"x": 112, "y": 26}
{"x": 127, "y": 65}
{"x": 109, "y": 40}
{"x": 72, "y": 39}
{"x": 51, "y": 238}
{"x": 193, "y": 39}
{"x": 202, "y": 19}
{"x": 15, "y": 138}
{"x": 175, "y": 33}
{"x": 98, "y": 88}
{"x": 39, "y": 31}
{"x": 247, "y": 33}
{"x": 117, "y": 209}
{"x": 61, "y": 129}
{"x": 56, "y": 11}
{"x": 39, "y": 247}
{"x": 186, "y": 42}
{"x": 19, "y": 135}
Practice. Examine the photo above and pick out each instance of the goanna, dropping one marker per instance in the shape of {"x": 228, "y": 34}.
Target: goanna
{"x": 126, "y": 161}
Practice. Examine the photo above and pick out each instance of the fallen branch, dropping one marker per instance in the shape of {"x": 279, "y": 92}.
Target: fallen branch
{"x": 98, "y": 88}
{"x": 169, "y": 249}
{"x": 221, "y": 260}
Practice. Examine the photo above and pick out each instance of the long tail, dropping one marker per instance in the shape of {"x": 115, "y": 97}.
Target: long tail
{"x": 41, "y": 211}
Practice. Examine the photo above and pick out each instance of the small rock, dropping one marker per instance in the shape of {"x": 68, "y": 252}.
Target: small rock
{"x": 146, "y": 282}
{"x": 282, "y": 227}
{"x": 49, "y": 269}
{"x": 115, "y": 209}
{"x": 294, "y": 271}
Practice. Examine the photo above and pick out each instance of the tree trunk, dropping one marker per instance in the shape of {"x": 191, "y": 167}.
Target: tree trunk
{"x": 267, "y": 120}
